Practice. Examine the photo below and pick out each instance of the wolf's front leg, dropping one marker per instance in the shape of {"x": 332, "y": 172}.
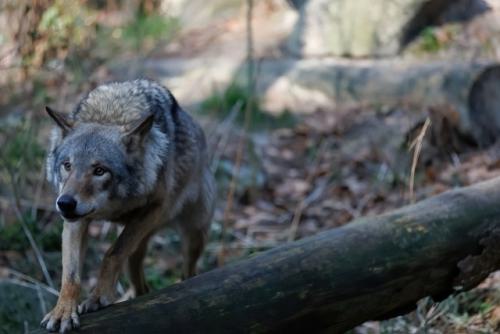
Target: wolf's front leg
{"x": 64, "y": 316}
{"x": 114, "y": 260}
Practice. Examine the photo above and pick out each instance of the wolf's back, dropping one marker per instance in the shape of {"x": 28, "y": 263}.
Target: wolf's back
{"x": 121, "y": 103}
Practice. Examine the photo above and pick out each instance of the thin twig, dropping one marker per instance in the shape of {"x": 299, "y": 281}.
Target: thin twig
{"x": 38, "y": 192}
{"x": 34, "y": 246}
{"x": 19, "y": 275}
{"x": 417, "y": 146}
{"x": 230, "y": 196}
{"x": 43, "y": 306}
{"x": 8, "y": 53}
{"x": 27, "y": 285}
{"x": 24, "y": 225}
{"x": 24, "y": 203}
{"x": 220, "y": 146}
{"x": 221, "y": 126}
{"x": 105, "y": 228}
{"x": 297, "y": 215}
{"x": 27, "y": 232}
{"x": 241, "y": 143}
{"x": 250, "y": 51}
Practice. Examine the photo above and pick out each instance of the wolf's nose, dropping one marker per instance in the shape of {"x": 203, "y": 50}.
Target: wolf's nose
{"x": 66, "y": 203}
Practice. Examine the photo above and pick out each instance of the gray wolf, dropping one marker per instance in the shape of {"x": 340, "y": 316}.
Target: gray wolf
{"x": 127, "y": 154}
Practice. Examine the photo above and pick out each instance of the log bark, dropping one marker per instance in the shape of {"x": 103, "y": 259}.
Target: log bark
{"x": 373, "y": 268}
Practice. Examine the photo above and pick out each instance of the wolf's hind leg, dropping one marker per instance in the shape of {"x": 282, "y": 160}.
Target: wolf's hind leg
{"x": 193, "y": 224}
{"x": 136, "y": 268}
{"x": 193, "y": 243}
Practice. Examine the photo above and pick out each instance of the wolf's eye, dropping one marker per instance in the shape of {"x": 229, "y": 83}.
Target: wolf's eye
{"x": 99, "y": 171}
{"x": 67, "y": 166}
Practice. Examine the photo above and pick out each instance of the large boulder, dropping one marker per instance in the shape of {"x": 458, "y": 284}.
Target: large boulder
{"x": 360, "y": 28}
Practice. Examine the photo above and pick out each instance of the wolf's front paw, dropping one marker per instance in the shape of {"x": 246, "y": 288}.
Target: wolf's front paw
{"x": 94, "y": 303}
{"x": 63, "y": 317}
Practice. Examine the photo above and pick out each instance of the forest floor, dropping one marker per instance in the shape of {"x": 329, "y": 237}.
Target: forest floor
{"x": 299, "y": 175}
{"x": 294, "y": 181}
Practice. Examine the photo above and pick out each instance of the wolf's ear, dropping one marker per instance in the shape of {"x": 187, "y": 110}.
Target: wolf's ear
{"x": 137, "y": 131}
{"x": 61, "y": 120}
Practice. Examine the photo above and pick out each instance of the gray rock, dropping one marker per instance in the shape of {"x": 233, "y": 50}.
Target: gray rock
{"x": 360, "y": 28}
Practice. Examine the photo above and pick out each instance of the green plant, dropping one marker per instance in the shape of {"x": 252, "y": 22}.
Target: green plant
{"x": 54, "y": 31}
{"x": 12, "y": 236}
{"x": 20, "y": 308}
{"x": 145, "y": 30}
{"x": 64, "y": 24}
{"x": 433, "y": 39}
{"x": 21, "y": 156}
{"x": 221, "y": 104}
{"x": 429, "y": 40}
{"x": 21, "y": 160}
{"x": 158, "y": 280}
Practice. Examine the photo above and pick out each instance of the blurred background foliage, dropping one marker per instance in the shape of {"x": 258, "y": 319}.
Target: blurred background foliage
{"x": 51, "y": 37}
{"x": 47, "y": 51}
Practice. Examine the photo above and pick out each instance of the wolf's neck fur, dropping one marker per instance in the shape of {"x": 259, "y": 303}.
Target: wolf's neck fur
{"x": 156, "y": 150}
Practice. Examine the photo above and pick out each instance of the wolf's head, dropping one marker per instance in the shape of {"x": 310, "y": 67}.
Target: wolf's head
{"x": 97, "y": 167}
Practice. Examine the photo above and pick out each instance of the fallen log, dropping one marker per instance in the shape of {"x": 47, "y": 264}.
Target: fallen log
{"x": 373, "y": 268}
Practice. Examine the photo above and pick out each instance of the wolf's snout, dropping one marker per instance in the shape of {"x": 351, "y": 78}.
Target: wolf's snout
{"x": 66, "y": 203}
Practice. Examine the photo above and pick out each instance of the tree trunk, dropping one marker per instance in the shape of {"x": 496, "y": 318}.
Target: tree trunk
{"x": 373, "y": 268}
{"x": 484, "y": 106}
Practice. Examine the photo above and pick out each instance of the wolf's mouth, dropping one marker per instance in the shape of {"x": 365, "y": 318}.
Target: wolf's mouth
{"x": 71, "y": 217}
